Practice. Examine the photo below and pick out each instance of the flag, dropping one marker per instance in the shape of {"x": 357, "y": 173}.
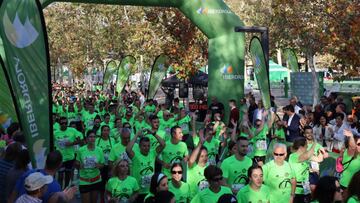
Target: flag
{"x": 22, "y": 29}
{"x": 258, "y": 59}
{"x": 158, "y": 72}
{"x": 291, "y": 60}
{"x": 7, "y": 108}
{"x": 126, "y": 68}
{"x": 110, "y": 71}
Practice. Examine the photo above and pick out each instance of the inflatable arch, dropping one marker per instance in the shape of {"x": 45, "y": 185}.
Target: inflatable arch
{"x": 226, "y": 47}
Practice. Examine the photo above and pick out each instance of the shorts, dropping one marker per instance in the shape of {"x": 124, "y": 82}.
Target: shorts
{"x": 67, "y": 166}
{"x": 89, "y": 188}
{"x": 302, "y": 198}
{"x": 313, "y": 178}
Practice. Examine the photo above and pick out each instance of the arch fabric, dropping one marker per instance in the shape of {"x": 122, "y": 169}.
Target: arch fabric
{"x": 226, "y": 47}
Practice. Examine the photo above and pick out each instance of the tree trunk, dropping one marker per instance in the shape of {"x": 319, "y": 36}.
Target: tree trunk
{"x": 279, "y": 60}
{"x": 311, "y": 65}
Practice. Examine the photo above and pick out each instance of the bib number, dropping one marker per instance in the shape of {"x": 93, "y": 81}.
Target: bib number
{"x": 145, "y": 181}
{"x": 314, "y": 165}
{"x": 203, "y": 185}
{"x": 237, "y": 187}
{"x": 90, "y": 162}
{"x": 261, "y": 145}
{"x": 306, "y": 187}
{"x": 62, "y": 143}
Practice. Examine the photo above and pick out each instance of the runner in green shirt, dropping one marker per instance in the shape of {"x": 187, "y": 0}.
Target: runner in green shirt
{"x": 175, "y": 151}
{"x": 143, "y": 161}
{"x": 299, "y": 161}
{"x": 213, "y": 175}
{"x": 183, "y": 121}
{"x": 235, "y": 167}
{"x": 65, "y": 139}
{"x": 154, "y": 120}
{"x": 352, "y": 157}
{"x": 180, "y": 189}
{"x": 166, "y": 124}
{"x": 279, "y": 176}
{"x": 255, "y": 191}
{"x": 196, "y": 166}
{"x": 89, "y": 160}
{"x": 122, "y": 187}
{"x": 118, "y": 151}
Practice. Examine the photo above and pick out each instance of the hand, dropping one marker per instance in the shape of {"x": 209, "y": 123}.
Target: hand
{"x": 69, "y": 192}
{"x": 166, "y": 165}
{"x": 348, "y": 133}
{"x": 234, "y": 123}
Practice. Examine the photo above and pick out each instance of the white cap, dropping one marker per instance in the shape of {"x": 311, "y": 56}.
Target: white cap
{"x": 36, "y": 181}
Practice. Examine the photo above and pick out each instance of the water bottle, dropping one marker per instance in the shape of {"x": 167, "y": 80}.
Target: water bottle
{"x": 75, "y": 182}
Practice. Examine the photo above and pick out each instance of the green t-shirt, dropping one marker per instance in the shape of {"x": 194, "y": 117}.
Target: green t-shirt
{"x": 353, "y": 199}
{"x": 247, "y": 194}
{"x": 150, "y": 108}
{"x": 56, "y": 127}
{"x": 313, "y": 164}
{"x": 153, "y": 141}
{"x": 61, "y": 138}
{"x": 184, "y": 124}
{"x": 130, "y": 121}
{"x": 89, "y": 158}
{"x": 119, "y": 151}
{"x": 106, "y": 146}
{"x": 143, "y": 168}
{"x": 173, "y": 153}
{"x": 350, "y": 169}
{"x": 139, "y": 125}
{"x": 166, "y": 126}
{"x": 280, "y": 133}
{"x": 301, "y": 170}
{"x": 207, "y": 196}
{"x": 88, "y": 119}
{"x": 278, "y": 179}
{"x": 213, "y": 150}
{"x": 196, "y": 179}
{"x": 235, "y": 171}
{"x": 115, "y": 134}
{"x": 259, "y": 141}
{"x": 122, "y": 189}
{"x": 182, "y": 194}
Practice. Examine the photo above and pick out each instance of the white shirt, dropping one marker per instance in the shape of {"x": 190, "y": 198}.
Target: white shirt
{"x": 25, "y": 198}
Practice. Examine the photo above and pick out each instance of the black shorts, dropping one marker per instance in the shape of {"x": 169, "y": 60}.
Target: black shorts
{"x": 313, "y": 178}
{"x": 89, "y": 188}
{"x": 67, "y": 166}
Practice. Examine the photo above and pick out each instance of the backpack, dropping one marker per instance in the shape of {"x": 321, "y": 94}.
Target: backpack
{"x": 339, "y": 167}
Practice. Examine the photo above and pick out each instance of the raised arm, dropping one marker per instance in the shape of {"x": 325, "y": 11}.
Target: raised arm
{"x": 196, "y": 151}
{"x": 129, "y": 147}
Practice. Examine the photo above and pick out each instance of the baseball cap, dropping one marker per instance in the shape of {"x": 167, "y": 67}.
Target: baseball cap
{"x": 36, "y": 181}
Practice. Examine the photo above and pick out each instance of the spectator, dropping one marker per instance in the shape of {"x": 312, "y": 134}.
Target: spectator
{"x": 353, "y": 195}
{"x": 216, "y": 107}
{"x": 328, "y": 190}
{"x": 234, "y": 113}
{"x": 8, "y": 162}
{"x": 35, "y": 185}
{"x": 291, "y": 123}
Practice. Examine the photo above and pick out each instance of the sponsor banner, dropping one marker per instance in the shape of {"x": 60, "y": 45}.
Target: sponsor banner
{"x": 7, "y": 108}
{"x": 126, "y": 68}
{"x": 158, "y": 72}
{"x": 110, "y": 71}
{"x": 291, "y": 60}
{"x": 22, "y": 29}
{"x": 258, "y": 59}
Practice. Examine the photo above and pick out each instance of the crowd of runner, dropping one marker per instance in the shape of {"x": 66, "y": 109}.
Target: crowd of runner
{"x": 125, "y": 148}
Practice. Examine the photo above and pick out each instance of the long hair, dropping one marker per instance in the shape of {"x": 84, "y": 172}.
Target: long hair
{"x": 325, "y": 189}
{"x": 354, "y": 186}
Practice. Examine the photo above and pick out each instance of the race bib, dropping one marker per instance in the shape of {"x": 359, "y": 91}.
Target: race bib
{"x": 145, "y": 181}
{"x": 90, "y": 124}
{"x": 314, "y": 165}
{"x": 90, "y": 162}
{"x": 261, "y": 145}
{"x": 237, "y": 187}
{"x": 185, "y": 127}
{"x": 203, "y": 185}
{"x": 250, "y": 149}
{"x": 306, "y": 187}
{"x": 123, "y": 200}
{"x": 211, "y": 161}
{"x": 62, "y": 143}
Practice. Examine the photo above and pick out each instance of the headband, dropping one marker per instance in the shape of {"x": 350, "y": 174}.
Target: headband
{"x": 161, "y": 175}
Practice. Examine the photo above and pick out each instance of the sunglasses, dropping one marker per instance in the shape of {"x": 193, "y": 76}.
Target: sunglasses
{"x": 276, "y": 154}
{"x": 176, "y": 172}
{"x": 63, "y": 123}
{"x": 217, "y": 179}
{"x": 358, "y": 144}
